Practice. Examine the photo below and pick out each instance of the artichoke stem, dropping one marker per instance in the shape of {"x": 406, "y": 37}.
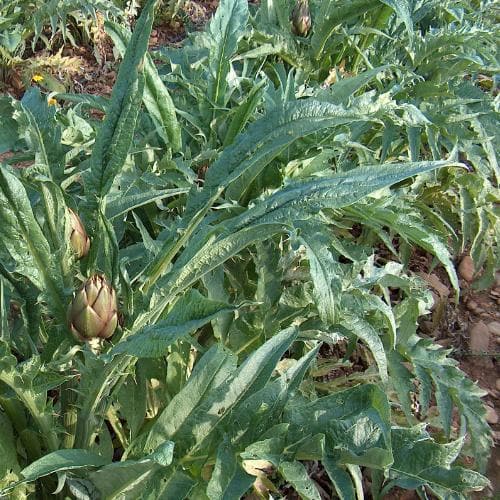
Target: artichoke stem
{"x": 69, "y": 398}
{"x": 95, "y": 345}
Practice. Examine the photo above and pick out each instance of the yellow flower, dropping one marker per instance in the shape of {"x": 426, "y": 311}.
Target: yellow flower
{"x": 51, "y": 101}
{"x": 37, "y": 78}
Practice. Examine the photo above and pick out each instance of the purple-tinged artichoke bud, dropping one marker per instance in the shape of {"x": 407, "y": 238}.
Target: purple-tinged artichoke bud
{"x": 301, "y": 18}
{"x": 93, "y": 312}
{"x": 79, "y": 240}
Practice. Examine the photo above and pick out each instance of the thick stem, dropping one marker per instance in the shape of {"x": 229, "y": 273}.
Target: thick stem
{"x": 42, "y": 417}
{"x": 15, "y": 412}
{"x": 69, "y": 398}
{"x": 117, "y": 426}
{"x": 96, "y": 402}
{"x": 380, "y": 22}
{"x": 44, "y": 422}
{"x": 171, "y": 250}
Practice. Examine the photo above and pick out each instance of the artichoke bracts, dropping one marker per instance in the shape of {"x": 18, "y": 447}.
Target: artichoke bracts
{"x": 93, "y": 313}
{"x": 79, "y": 240}
{"x": 301, "y": 18}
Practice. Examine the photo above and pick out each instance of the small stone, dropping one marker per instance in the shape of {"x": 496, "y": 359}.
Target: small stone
{"x": 466, "y": 268}
{"x": 427, "y": 327}
{"x": 494, "y": 328}
{"x": 491, "y": 415}
{"x": 479, "y": 337}
{"x": 435, "y": 300}
{"x": 436, "y": 284}
{"x": 472, "y": 305}
{"x": 445, "y": 342}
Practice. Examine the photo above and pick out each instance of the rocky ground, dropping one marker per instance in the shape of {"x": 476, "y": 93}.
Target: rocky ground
{"x": 479, "y": 355}
{"x": 471, "y": 329}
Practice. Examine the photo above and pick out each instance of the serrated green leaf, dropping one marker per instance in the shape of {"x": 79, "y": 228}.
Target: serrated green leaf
{"x": 8, "y": 132}
{"x": 334, "y": 13}
{"x": 228, "y": 480}
{"x": 9, "y": 465}
{"x": 297, "y": 475}
{"x": 214, "y": 253}
{"x": 355, "y": 422}
{"x": 114, "y": 138}
{"x": 432, "y": 366}
{"x": 225, "y": 29}
{"x": 296, "y": 201}
{"x": 62, "y": 460}
{"x": 411, "y": 228}
{"x": 156, "y": 97}
{"x": 339, "y": 190}
{"x": 240, "y": 163}
{"x": 190, "y": 313}
{"x": 325, "y": 271}
{"x": 37, "y": 121}
{"x": 420, "y": 460}
{"x": 340, "y": 478}
{"x": 119, "y": 204}
{"x": 371, "y": 303}
{"x": 403, "y": 9}
{"x": 250, "y": 377}
{"x": 127, "y": 479}
{"x": 365, "y": 331}
{"x": 215, "y": 366}
{"x": 24, "y": 240}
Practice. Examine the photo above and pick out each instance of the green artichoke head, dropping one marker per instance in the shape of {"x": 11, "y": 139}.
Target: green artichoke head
{"x": 79, "y": 240}
{"x": 301, "y": 18}
{"x": 93, "y": 312}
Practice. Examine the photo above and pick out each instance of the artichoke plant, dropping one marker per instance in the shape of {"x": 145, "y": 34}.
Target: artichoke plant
{"x": 79, "y": 240}
{"x": 301, "y": 18}
{"x": 93, "y": 313}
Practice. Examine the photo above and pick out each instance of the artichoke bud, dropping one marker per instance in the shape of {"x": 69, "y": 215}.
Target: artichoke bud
{"x": 93, "y": 312}
{"x": 79, "y": 240}
{"x": 301, "y": 18}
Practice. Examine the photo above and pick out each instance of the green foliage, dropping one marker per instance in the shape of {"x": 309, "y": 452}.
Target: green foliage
{"x": 156, "y": 98}
{"x": 237, "y": 197}
{"x": 430, "y": 465}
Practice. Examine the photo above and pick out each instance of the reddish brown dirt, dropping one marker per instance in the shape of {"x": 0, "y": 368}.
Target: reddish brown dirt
{"x": 461, "y": 327}
{"x": 484, "y": 368}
